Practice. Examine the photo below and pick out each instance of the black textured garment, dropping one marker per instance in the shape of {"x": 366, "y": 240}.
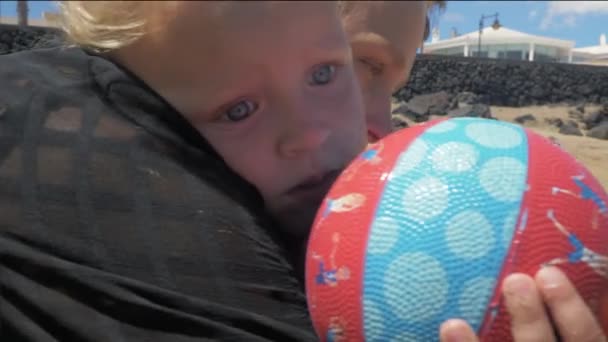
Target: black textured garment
{"x": 118, "y": 223}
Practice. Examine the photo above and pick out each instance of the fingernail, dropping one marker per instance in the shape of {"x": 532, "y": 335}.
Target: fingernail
{"x": 517, "y": 285}
{"x": 455, "y": 332}
{"x": 551, "y": 277}
{"x": 455, "y": 336}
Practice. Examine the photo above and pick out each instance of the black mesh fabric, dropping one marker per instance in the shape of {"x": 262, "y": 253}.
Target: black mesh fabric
{"x": 118, "y": 223}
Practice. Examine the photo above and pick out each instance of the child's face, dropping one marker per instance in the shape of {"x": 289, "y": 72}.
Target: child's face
{"x": 384, "y": 36}
{"x": 272, "y": 87}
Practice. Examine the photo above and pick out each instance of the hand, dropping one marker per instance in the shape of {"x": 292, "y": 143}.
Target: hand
{"x": 525, "y": 299}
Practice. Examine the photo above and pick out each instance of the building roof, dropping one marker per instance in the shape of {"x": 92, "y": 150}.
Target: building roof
{"x": 597, "y": 49}
{"x": 596, "y": 52}
{"x": 502, "y": 35}
{"x": 592, "y": 52}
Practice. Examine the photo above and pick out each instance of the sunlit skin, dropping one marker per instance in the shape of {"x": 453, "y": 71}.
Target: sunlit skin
{"x": 278, "y": 98}
{"x": 384, "y": 36}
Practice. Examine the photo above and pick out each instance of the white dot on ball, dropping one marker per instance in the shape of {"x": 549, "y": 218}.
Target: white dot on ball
{"x": 405, "y": 337}
{"x": 469, "y": 235}
{"x": 415, "y": 287}
{"x": 425, "y": 199}
{"x": 442, "y": 127}
{"x": 373, "y": 322}
{"x": 475, "y": 298}
{"x": 454, "y": 157}
{"x": 494, "y": 135}
{"x": 504, "y": 178}
{"x": 509, "y": 228}
{"x": 384, "y": 234}
{"x": 412, "y": 156}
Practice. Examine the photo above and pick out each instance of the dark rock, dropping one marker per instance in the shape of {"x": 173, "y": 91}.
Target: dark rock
{"x": 600, "y": 131}
{"x": 404, "y": 110}
{"x": 430, "y": 104}
{"x": 399, "y": 122}
{"x": 14, "y": 38}
{"x": 572, "y": 123}
{"x": 400, "y": 108}
{"x": 594, "y": 98}
{"x": 557, "y": 122}
{"x": 3, "y": 110}
{"x": 5, "y": 37}
{"x": 575, "y": 114}
{"x": 466, "y": 98}
{"x": 538, "y": 92}
{"x": 568, "y": 129}
{"x": 592, "y": 119}
{"x": 404, "y": 94}
{"x": 477, "y": 111}
{"x": 580, "y": 107}
{"x": 585, "y": 89}
{"x": 522, "y": 119}
{"x": 507, "y": 82}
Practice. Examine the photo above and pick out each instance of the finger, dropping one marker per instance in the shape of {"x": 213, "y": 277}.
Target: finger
{"x": 573, "y": 318}
{"x": 603, "y": 316}
{"x": 456, "y": 330}
{"x": 529, "y": 320}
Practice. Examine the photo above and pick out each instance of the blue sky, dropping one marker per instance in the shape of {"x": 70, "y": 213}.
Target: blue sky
{"x": 8, "y": 8}
{"x": 581, "y": 21}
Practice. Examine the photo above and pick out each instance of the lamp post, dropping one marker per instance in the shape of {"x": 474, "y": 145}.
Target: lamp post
{"x": 22, "y": 12}
{"x": 495, "y": 26}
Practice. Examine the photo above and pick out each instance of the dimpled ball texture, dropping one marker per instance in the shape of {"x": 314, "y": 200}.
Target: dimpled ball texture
{"x": 424, "y": 225}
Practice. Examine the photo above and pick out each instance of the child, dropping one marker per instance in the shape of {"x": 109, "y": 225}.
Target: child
{"x": 281, "y": 107}
{"x": 272, "y": 103}
{"x": 384, "y": 37}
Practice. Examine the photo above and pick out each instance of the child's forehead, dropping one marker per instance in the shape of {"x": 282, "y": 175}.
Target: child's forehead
{"x": 236, "y": 12}
{"x": 222, "y": 25}
{"x": 383, "y": 13}
{"x": 393, "y": 20}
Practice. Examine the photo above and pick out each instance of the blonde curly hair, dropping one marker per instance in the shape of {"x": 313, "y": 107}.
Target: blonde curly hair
{"x": 434, "y": 8}
{"x": 108, "y": 25}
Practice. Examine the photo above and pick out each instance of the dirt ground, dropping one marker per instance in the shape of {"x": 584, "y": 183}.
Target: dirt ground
{"x": 593, "y": 153}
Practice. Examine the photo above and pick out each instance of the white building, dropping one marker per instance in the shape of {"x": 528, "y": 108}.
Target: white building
{"x": 503, "y": 43}
{"x": 597, "y": 55}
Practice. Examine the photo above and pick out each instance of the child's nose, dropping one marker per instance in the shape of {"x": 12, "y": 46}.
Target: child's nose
{"x": 302, "y": 140}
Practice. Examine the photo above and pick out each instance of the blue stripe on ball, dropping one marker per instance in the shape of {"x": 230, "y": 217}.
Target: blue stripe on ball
{"x": 443, "y": 227}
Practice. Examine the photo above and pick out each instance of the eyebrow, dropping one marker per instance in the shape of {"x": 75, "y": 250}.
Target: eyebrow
{"x": 396, "y": 56}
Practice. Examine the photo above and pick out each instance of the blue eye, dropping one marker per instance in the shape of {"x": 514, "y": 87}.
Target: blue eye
{"x": 241, "y": 110}
{"x": 323, "y": 74}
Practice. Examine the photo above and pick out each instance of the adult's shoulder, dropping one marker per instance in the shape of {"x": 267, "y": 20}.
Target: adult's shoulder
{"x": 120, "y": 223}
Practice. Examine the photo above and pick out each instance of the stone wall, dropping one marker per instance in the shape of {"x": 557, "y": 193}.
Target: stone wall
{"x": 508, "y": 83}
{"x": 14, "y": 38}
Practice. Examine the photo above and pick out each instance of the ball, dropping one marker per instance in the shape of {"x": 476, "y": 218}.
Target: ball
{"x": 425, "y": 224}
